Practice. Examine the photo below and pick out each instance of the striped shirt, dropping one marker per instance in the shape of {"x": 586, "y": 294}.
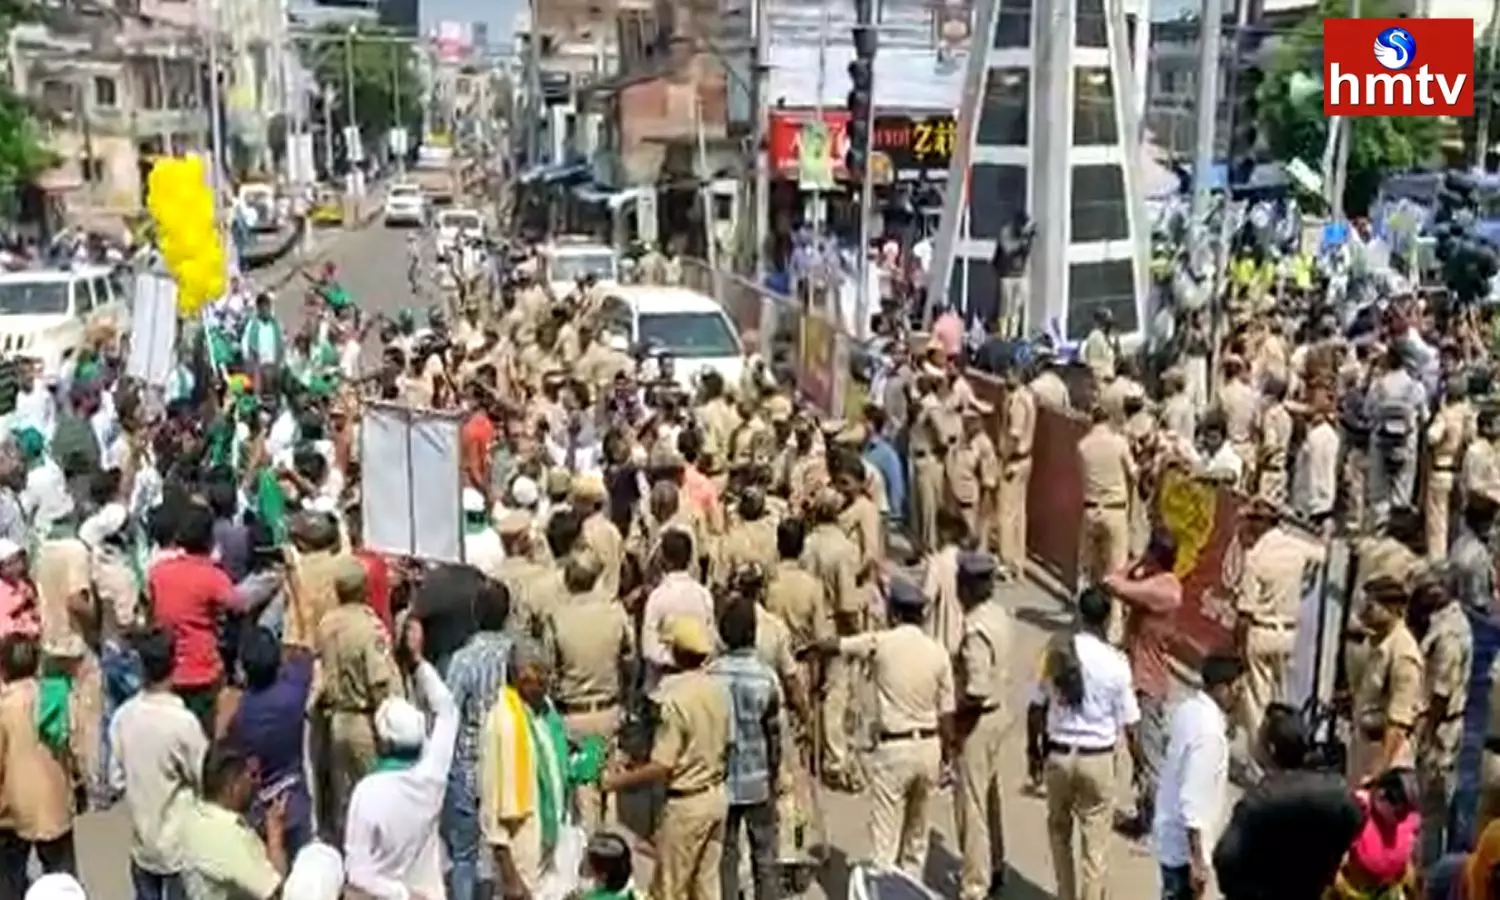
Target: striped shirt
{"x": 753, "y": 690}
{"x": 476, "y": 673}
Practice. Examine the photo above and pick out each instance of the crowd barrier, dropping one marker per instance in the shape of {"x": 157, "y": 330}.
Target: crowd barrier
{"x": 1203, "y": 518}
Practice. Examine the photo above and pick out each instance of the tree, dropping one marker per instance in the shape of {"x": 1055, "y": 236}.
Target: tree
{"x": 22, "y": 151}
{"x": 1292, "y": 121}
{"x": 386, "y": 85}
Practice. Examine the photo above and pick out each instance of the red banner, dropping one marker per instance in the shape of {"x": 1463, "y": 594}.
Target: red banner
{"x": 784, "y": 139}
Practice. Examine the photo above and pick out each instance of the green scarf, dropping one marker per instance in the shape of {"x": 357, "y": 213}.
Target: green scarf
{"x": 270, "y": 504}
{"x": 550, "y": 739}
{"x": 52, "y": 720}
{"x": 392, "y": 764}
{"x": 336, "y": 296}
{"x": 599, "y": 893}
{"x": 220, "y": 438}
{"x": 475, "y": 523}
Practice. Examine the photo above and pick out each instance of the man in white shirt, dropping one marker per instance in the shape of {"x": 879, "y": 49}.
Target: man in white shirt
{"x": 1193, "y": 788}
{"x": 1084, "y": 702}
{"x": 482, "y": 546}
{"x": 36, "y": 407}
{"x": 391, "y": 847}
{"x": 1223, "y": 464}
{"x": 156, "y": 760}
{"x": 678, "y": 594}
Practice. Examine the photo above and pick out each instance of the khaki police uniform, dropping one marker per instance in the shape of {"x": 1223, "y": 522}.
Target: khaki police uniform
{"x": 937, "y": 428}
{"x": 1275, "y": 440}
{"x": 1267, "y": 598}
{"x": 861, "y": 521}
{"x": 913, "y": 680}
{"x": 1015, "y": 477}
{"x": 795, "y": 599}
{"x": 1099, "y": 355}
{"x": 1448, "y": 656}
{"x": 1388, "y": 695}
{"x": 692, "y": 743}
{"x": 518, "y": 574}
{"x": 591, "y": 639}
{"x": 1049, "y": 389}
{"x": 1446, "y": 438}
{"x": 1109, "y": 474}
{"x": 355, "y": 672}
{"x": 600, "y": 535}
{"x": 1238, "y": 402}
{"x": 746, "y": 542}
{"x": 833, "y": 560}
{"x": 983, "y": 681}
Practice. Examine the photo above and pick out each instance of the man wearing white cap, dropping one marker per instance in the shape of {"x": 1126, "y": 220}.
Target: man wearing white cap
{"x": 57, "y": 886}
{"x": 391, "y": 837}
{"x": 482, "y": 546}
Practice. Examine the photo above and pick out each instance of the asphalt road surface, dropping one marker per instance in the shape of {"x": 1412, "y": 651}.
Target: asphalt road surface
{"x": 372, "y": 263}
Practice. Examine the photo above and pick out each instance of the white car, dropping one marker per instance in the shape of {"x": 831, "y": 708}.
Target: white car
{"x": 259, "y": 202}
{"x": 405, "y": 205}
{"x": 453, "y": 224}
{"x": 44, "y": 312}
{"x": 690, "y": 327}
{"x": 565, "y": 261}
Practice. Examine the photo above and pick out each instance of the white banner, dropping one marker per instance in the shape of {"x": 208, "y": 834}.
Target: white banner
{"x": 411, "y": 484}
{"x": 153, "y": 329}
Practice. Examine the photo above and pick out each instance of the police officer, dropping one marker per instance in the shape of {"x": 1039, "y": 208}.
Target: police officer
{"x": 936, "y": 429}
{"x": 1447, "y": 435}
{"x": 1015, "y": 474}
{"x": 592, "y": 643}
{"x": 1275, "y": 441}
{"x": 1109, "y": 477}
{"x": 1239, "y": 403}
{"x": 833, "y": 559}
{"x": 688, "y": 755}
{"x": 355, "y": 671}
{"x": 1267, "y": 598}
{"x": 1448, "y": 656}
{"x": 913, "y": 676}
{"x": 981, "y": 680}
{"x": 1396, "y": 406}
{"x": 750, "y": 540}
{"x": 1388, "y": 695}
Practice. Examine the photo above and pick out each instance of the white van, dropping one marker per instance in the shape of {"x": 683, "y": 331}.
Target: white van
{"x": 43, "y": 312}
{"x": 691, "y": 327}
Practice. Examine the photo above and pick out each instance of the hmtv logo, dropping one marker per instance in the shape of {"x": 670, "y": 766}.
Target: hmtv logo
{"x": 1398, "y": 67}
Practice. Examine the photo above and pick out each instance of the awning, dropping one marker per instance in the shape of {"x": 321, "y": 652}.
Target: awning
{"x": 552, "y": 173}
{"x": 614, "y": 199}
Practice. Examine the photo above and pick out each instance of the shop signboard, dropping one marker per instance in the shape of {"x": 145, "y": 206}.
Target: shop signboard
{"x": 915, "y": 143}
{"x": 786, "y": 145}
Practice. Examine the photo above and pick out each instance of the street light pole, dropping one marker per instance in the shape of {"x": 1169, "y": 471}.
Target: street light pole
{"x": 215, "y": 113}
{"x": 353, "y": 135}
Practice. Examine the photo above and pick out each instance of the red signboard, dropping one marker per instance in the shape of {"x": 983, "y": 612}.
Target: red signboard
{"x": 784, "y": 141}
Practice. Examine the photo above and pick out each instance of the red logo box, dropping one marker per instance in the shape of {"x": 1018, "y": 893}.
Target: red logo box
{"x": 1398, "y": 67}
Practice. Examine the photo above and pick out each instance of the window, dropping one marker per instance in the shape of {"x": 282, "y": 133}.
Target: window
{"x": 1100, "y": 285}
{"x": 1005, "y": 109}
{"x": 105, "y": 92}
{"x": 85, "y": 297}
{"x": 34, "y": 298}
{"x": 984, "y": 291}
{"x": 1094, "y": 109}
{"x": 689, "y": 335}
{"x": 1098, "y": 205}
{"x": 1013, "y": 25}
{"x": 995, "y": 194}
{"x": 92, "y": 169}
{"x": 1092, "y": 30}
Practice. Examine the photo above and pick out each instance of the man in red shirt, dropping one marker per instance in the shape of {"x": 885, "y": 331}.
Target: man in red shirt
{"x": 189, "y": 596}
{"x": 475, "y": 438}
{"x": 1150, "y": 594}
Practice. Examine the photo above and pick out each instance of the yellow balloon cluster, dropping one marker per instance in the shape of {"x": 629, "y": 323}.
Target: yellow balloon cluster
{"x": 182, "y": 206}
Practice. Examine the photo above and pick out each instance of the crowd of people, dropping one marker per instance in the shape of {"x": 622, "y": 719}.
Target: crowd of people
{"x": 689, "y": 605}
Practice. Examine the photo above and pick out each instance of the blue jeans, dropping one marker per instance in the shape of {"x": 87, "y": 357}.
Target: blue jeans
{"x": 120, "y": 670}
{"x": 149, "y": 886}
{"x": 1176, "y": 883}
{"x": 459, "y": 829}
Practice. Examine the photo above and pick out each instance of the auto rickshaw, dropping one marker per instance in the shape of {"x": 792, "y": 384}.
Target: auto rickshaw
{"x": 327, "y": 208}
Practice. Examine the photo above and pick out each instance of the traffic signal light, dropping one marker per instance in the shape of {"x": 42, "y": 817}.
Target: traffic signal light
{"x": 861, "y": 101}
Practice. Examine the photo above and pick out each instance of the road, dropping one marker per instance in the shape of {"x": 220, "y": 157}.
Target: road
{"x": 372, "y": 264}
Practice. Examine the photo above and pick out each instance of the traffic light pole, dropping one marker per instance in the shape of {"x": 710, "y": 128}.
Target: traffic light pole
{"x": 861, "y": 104}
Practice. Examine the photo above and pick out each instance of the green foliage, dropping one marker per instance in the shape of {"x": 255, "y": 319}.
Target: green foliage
{"x": 382, "y": 70}
{"x": 1293, "y": 124}
{"x": 22, "y": 152}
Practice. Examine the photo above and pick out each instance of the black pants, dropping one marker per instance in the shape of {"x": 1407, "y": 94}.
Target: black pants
{"x": 760, "y": 828}
{"x": 55, "y": 855}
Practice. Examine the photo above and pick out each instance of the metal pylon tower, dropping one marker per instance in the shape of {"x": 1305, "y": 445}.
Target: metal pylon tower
{"x": 1048, "y": 124}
